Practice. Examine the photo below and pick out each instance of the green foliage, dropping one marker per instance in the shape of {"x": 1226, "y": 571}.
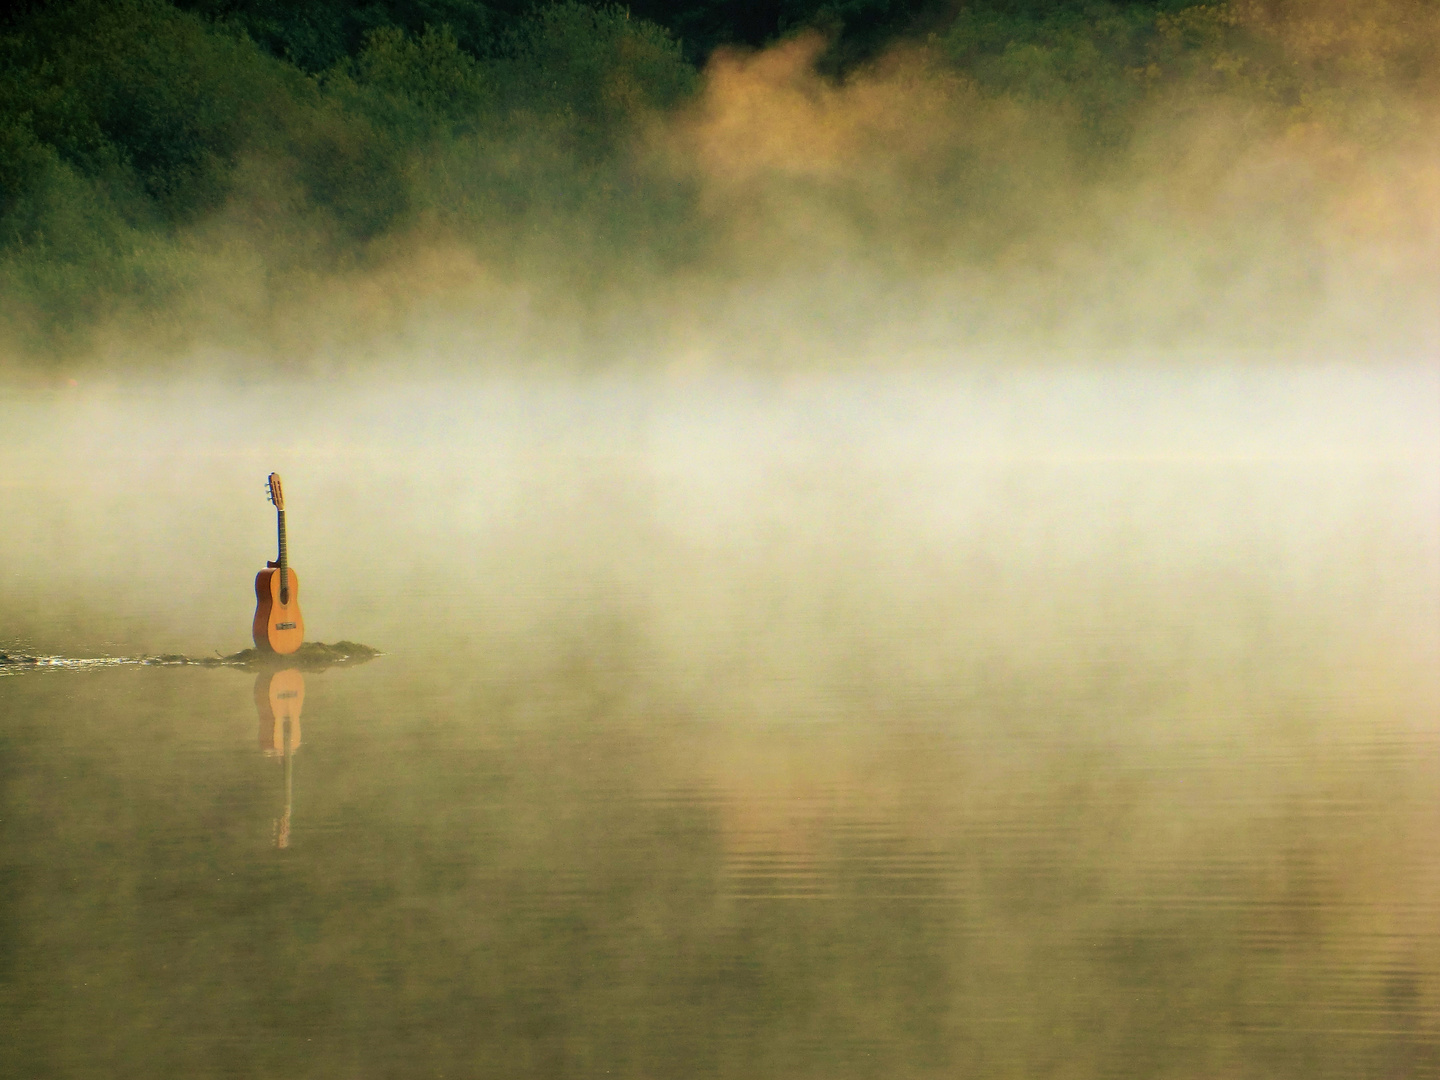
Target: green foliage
{"x": 420, "y": 87}
{"x": 1099, "y": 59}
{"x": 119, "y": 122}
{"x": 1104, "y": 61}
{"x": 593, "y": 69}
{"x": 122, "y": 123}
{"x": 141, "y": 94}
{"x": 316, "y": 35}
{"x": 329, "y": 127}
{"x": 352, "y": 150}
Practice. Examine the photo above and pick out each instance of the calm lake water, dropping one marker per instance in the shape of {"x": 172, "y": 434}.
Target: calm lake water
{"x": 1070, "y": 722}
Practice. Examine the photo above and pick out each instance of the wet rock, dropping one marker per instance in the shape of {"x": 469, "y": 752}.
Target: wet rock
{"x": 312, "y": 656}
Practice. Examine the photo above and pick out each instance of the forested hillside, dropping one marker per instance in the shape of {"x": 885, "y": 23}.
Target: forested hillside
{"x": 149, "y": 148}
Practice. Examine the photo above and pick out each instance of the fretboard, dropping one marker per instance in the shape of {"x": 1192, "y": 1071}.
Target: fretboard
{"x": 284, "y": 558}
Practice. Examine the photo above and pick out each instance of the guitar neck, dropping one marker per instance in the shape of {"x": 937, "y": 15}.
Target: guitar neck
{"x": 284, "y": 559}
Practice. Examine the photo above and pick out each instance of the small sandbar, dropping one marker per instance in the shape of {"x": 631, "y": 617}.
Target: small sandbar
{"x": 312, "y": 656}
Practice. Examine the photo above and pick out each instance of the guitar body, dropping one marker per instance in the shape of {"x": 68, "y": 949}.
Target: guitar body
{"x": 278, "y": 628}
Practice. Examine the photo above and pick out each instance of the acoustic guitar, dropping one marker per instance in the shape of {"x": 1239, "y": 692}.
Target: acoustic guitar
{"x": 279, "y": 627}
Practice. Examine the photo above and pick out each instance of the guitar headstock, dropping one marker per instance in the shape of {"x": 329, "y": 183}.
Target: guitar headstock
{"x": 273, "y": 489}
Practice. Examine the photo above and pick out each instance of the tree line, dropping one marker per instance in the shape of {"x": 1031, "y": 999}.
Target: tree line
{"x": 127, "y": 125}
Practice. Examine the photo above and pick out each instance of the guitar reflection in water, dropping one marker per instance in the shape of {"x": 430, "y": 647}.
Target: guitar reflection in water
{"x": 279, "y": 696}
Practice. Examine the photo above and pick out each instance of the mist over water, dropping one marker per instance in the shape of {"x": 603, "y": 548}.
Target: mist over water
{"x": 961, "y": 501}
{"x": 1021, "y": 720}
{"x": 926, "y": 567}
